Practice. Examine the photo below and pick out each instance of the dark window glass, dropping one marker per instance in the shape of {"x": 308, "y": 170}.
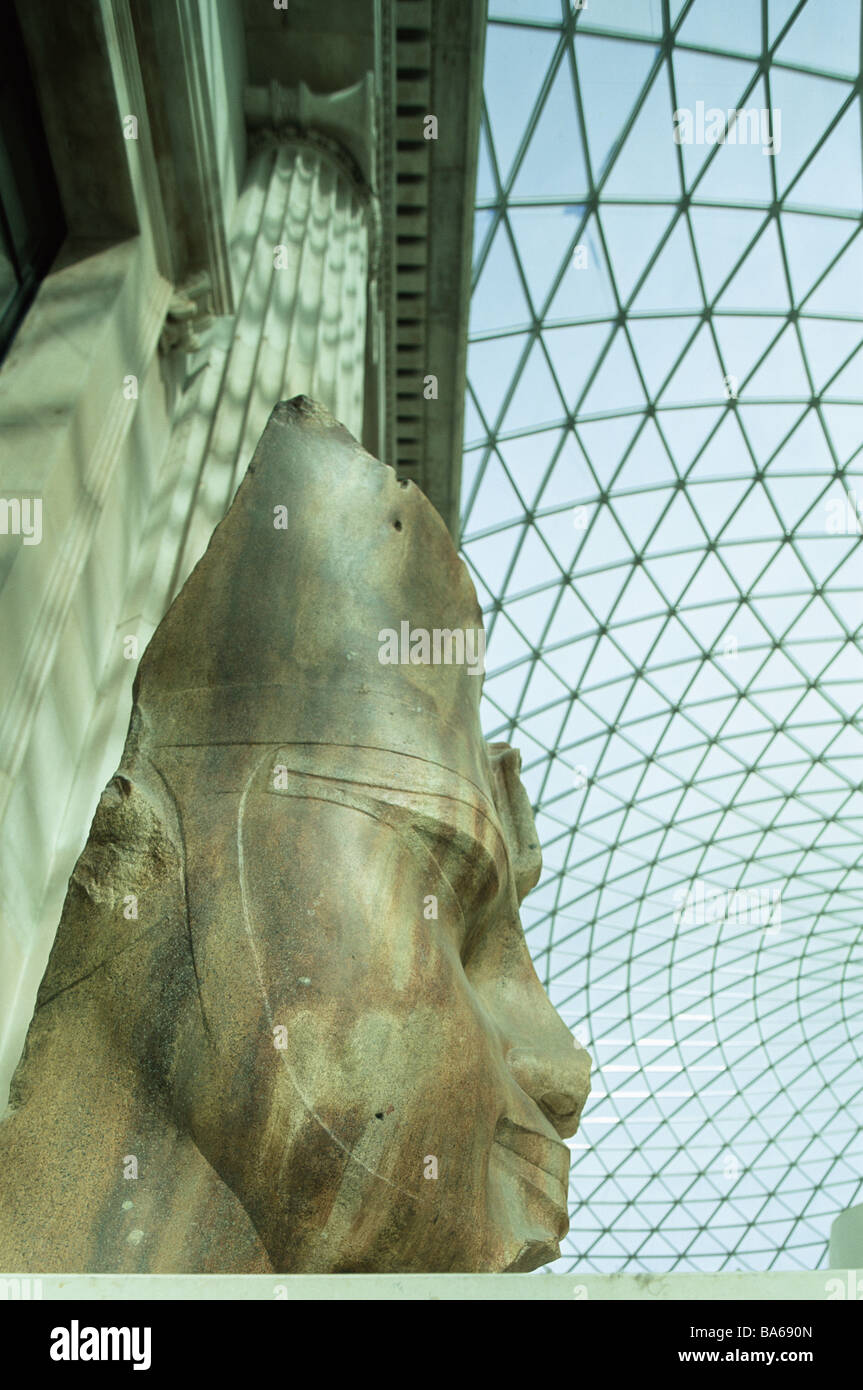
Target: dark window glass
{"x": 31, "y": 219}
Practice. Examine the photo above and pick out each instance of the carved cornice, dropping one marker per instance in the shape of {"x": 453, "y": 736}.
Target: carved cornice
{"x": 348, "y": 119}
{"x": 430, "y": 56}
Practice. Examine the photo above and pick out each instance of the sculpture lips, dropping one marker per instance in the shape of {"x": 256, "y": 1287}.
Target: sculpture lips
{"x": 549, "y": 1155}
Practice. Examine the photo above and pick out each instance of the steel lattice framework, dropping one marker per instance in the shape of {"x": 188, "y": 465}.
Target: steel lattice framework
{"x": 661, "y": 473}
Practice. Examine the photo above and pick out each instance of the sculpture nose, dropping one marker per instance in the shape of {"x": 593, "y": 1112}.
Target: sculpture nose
{"x": 558, "y": 1081}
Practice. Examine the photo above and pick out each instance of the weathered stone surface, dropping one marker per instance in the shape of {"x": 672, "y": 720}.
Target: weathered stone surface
{"x": 290, "y": 984}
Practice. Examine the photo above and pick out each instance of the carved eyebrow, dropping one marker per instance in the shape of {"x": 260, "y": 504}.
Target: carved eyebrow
{"x": 253, "y": 946}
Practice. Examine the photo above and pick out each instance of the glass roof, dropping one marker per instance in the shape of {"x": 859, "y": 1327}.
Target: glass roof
{"x": 663, "y": 480}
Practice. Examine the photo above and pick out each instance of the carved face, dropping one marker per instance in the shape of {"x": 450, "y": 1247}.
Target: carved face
{"x": 389, "y": 1085}
{"x": 364, "y": 1054}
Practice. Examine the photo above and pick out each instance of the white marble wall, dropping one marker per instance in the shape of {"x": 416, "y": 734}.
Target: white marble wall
{"x": 132, "y": 489}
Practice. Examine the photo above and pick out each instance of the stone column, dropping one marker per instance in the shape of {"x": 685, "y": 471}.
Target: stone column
{"x": 304, "y": 245}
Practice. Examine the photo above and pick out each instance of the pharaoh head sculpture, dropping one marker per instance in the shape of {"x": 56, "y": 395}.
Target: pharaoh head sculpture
{"x": 328, "y": 1047}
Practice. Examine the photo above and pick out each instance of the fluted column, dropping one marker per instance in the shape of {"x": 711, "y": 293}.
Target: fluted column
{"x": 301, "y": 248}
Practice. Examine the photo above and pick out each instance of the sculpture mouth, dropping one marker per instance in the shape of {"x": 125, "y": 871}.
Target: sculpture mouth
{"x": 541, "y": 1162}
{"x": 549, "y": 1155}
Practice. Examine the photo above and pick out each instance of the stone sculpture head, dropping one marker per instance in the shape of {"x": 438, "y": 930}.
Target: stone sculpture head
{"x": 326, "y": 992}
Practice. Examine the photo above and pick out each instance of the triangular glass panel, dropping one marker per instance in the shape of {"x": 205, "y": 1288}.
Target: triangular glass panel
{"x": 841, "y": 290}
{"x": 474, "y": 428}
{"x": 824, "y": 35}
{"x": 491, "y": 363}
{"x": 672, "y": 574}
{"x": 626, "y": 19}
{"x": 740, "y": 169}
{"x": 534, "y": 565}
{"x": 560, "y": 535}
{"x": 755, "y": 519}
{"x": 845, "y": 428}
{"x": 616, "y": 385}
{"x": 553, "y": 165}
{"x": 501, "y": 691}
{"x": 640, "y": 596}
{"x": 658, "y": 344}
{"x": 631, "y": 235}
{"x": 785, "y": 575}
{"x": 647, "y": 463}
{"x": 811, "y": 242}
{"x": 571, "y": 618}
{"x": 780, "y": 12}
{"x": 605, "y": 544}
{"x": 804, "y": 106}
{"x": 824, "y": 556}
{"x": 506, "y": 645}
{"x": 570, "y": 479}
{"x": 817, "y": 186}
{"x": 542, "y": 236}
{"x": 679, "y": 526}
{"x": 849, "y": 381}
{"x": 760, "y": 281}
{"x": 782, "y": 373}
{"x": 646, "y": 167}
{"x": 585, "y": 291}
{"x": 605, "y": 441}
{"x": 687, "y": 431}
{"x": 743, "y": 338}
{"x": 491, "y": 557}
{"x": 573, "y": 352}
{"x": 721, "y": 237}
{"x": 536, "y": 400}
{"x": 528, "y": 457}
{"x": 600, "y": 591}
{"x": 766, "y": 427}
{"x": 530, "y": 614}
{"x": 496, "y": 501}
{"x": 699, "y": 377}
{"x": 498, "y": 299}
{"x": 672, "y": 282}
{"x": 800, "y": 501}
{"x": 706, "y": 85}
{"x": 736, "y": 27}
{"x": 606, "y": 65}
{"x": 508, "y": 49}
{"x": 637, "y": 640}
{"x": 715, "y": 502}
{"x": 525, "y": 9}
{"x": 827, "y": 345}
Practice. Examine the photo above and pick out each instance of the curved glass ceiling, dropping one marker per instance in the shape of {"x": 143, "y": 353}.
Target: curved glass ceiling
{"x": 663, "y": 480}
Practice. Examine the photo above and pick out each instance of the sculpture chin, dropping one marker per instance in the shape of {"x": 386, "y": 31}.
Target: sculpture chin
{"x": 532, "y": 1173}
{"x": 532, "y": 1255}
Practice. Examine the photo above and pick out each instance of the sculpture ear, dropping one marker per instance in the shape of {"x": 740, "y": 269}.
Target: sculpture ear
{"x": 127, "y": 880}
{"x": 516, "y": 816}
